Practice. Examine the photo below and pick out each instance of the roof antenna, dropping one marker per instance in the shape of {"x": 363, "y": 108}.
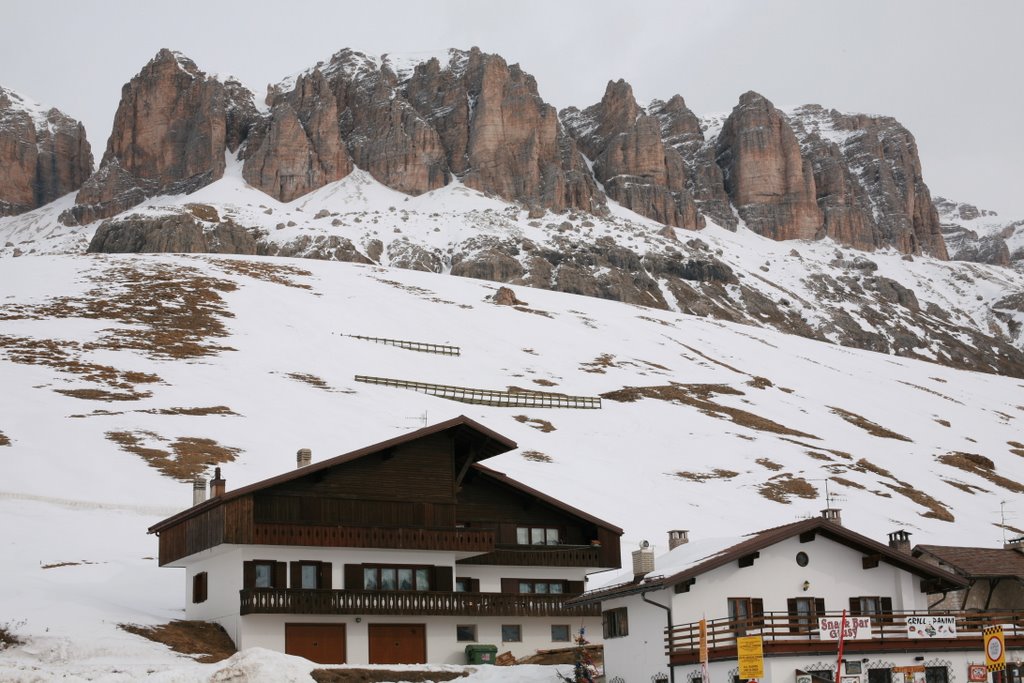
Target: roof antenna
{"x": 422, "y": 418}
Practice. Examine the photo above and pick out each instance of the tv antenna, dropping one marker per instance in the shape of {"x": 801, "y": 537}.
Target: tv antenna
{"x": 422, "y": 418}
{"x": 829, "y": 496}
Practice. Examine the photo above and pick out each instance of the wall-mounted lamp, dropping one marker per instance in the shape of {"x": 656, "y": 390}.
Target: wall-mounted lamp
{"x": 806, "y": 585}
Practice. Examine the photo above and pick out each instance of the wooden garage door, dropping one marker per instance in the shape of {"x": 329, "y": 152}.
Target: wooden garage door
{"x": 398, "y": 644}
{"x": 320, "y": 643}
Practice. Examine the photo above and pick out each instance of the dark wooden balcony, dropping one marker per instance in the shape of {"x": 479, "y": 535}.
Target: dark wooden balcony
{"x": 542, "y": 555}
{"x": 784, "y": 634}
{"x": 298, "y": 601}
{"x": 458, "y": 540}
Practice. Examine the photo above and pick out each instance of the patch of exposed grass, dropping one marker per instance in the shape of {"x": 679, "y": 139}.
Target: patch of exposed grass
{"x": 103, "y": 394}
{"x": 705, "y": 476}
{"x": 769, "y": 464}
{"x": 867, "y": 425}
{"x": 599, "y": 364}
{"x": 700, "y": 397}
{"x": 936, "y": 510}
{"x": 967, "y": 488}
{"x": 536, "y": 423}
{"x": 981, "y": 466}
{"x": 865, "y": 465}
{"x": 782, "y": 487}
{"x": 709, "y": 358}
{"x": 944, "y": 423}
{"x": 545, "y": 382}
{"x": 1016, "y": 447}
{"x": 839, "y": 454}
{"x": 206, "y": 642}
{"x": 187, "y": 458}
{"x": 818, "y": 456}
{"x": 8, "y": 638}
{"x": 535, "y": 311}
{"x": 849, "y": 483}
{"x": 265, "y": 271}
{"x": 759, "y": 382}
{"x": 209, "y": 410}
{"x": 4, "y": 440}
{"x": 56, "y": 565}
{"x": 537, "y": 456}
{"x": 314, "y": 381}
{"x": 931, "y": 391}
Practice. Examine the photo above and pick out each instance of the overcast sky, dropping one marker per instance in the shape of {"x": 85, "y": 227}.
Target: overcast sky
{"x": 949, "y": 70}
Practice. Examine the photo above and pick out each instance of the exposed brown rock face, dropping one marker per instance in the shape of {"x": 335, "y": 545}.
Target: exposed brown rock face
{"x": 966, "y": 244}
{"x": 771, "y": 185}
{"x": 170, "y": 134}
{"x": 868, "y": 181}
{"x": 43, "y": 155}
{"x": 636, "y": 168}
{"x": 681, "y": 131}
{"x": 499, "y": 136}
{"x": 182, "y": 234}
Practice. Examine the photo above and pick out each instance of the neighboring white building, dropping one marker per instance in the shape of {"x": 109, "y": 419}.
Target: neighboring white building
{"x": 776, "y": 584}
{"x": 402, "y": 552}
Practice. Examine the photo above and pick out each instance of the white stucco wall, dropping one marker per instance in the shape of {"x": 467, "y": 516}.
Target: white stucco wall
{"x": 639, "y": 655}
{"x": 223, "y": 566}
{"x": 834, "y": 572}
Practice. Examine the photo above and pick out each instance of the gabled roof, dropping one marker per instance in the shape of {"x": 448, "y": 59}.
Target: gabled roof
{"x": 977, "y": 563}
{"x": 755, "y": 542}
{"x": 554, "y": 502}
{"x": 492, "y": 444}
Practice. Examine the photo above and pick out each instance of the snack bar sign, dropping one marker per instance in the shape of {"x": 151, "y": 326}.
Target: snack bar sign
{"x": 931, "y": 627}
{"x": 857, "y": 628}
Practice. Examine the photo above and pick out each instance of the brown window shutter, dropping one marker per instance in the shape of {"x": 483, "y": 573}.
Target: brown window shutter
{"x": 296, "y": 575}
{"x": 353, "y": 576}
{"x": 474, "y": 585}
{"x": 325, "y": 576}
{"x": 886, "y": 609}
{"x": 280, "y": 574}
{"x": 574, "y": 587}
{"x": 249, "y": 575}
{"x": 199, "y": 587}
{"x": 510, "y": 585}
{"x": 819, "y": 607}
{"x": 757, "y": 612}
{"x": 854, "y": 607}
{"x": 605, "y": 619}
{"x": 791, "y": 608}
{"x": 443, "y": 579}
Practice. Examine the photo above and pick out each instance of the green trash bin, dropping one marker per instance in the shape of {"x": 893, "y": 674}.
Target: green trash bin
{"x": 481, "y": 654}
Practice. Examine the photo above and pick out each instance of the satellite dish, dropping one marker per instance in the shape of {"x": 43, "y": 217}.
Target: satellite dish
{"x": 645, "y": 544}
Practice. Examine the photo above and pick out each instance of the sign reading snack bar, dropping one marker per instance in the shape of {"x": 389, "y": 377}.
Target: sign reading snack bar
{"x": 931, "y": 627}
{"x": 857, "y": 628}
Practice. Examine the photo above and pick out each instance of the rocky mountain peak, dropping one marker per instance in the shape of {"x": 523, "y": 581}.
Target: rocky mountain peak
{"x": 769, "y": 182}
{"x": 44, "y": 154}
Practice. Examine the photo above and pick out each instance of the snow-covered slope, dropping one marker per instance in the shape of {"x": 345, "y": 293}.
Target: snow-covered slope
{"x": 706, "y": 425}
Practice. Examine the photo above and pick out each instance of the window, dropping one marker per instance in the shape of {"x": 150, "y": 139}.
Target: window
{"x": 464, "y": 584}
{"x": 511, "y": 633}
{"x": 879, "y": 675}
{"x": 396, "y": 578}
{"x": 535, "y": 535}
{"x": 744, "y": 613}
{"x": 530, "y": 586}
{"x": 803, "y": 613}
{"x": 264, "y": 574}
{"x": 936, "y": 674}
{"x": 311, "y": 575}
{"x": 867, "y": 605}
{"x": 615, "y": 622}
{"x": 465, "y": 633}
{"x": 560, "y": 634}
{"x": 199, "y": 587}
{"x": 802, "y": 559}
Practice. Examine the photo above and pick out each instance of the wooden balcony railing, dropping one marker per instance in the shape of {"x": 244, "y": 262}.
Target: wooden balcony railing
{"x": 783, "y": 633}
{"x": 464, "y": 540}
{"x": 297, "y": 601}
{"x": 545, "y": 555}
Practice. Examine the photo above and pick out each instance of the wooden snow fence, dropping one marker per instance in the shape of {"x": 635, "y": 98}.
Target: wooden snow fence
{"x": 423, "y": 347}
{"x": 490, "y": 397}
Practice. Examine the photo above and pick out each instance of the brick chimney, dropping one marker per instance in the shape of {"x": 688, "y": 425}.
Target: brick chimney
{"x": 303, "y": 457}
{"x": 217, "y": 485}
{"x": 900, "y": 540}
{"x": 198, "y": 490}
{"x": 678, "y": 537}
{"x": 833, "y": 515}
{"x": 643, "y": 560}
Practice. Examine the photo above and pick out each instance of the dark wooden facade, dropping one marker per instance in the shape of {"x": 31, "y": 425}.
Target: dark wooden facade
{"x": 783, "y": 634}
{"x": 425, "y": 491}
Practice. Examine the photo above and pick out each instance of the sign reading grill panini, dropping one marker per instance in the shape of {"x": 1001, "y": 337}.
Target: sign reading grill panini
{"x": 931, "y": 627}
{"x": 857, "y": 628}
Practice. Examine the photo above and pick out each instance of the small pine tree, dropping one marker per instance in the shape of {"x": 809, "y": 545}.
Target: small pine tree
{"x": 583, "y": 669}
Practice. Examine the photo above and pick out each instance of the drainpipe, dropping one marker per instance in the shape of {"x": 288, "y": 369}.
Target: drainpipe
{"x": 668, "y": 618}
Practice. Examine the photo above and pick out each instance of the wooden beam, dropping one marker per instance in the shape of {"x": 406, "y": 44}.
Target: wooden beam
{"x": 684, "y": 586}
{"x": 870, "y": 561}
{"x": 748, "y": 560}
{"x": 807, "y": 537}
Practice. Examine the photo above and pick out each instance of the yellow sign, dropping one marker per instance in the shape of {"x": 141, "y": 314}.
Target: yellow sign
{"x": 751, "y": 656}
{"x": 995, "y": 648}
{"x": 703, "y": 641}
